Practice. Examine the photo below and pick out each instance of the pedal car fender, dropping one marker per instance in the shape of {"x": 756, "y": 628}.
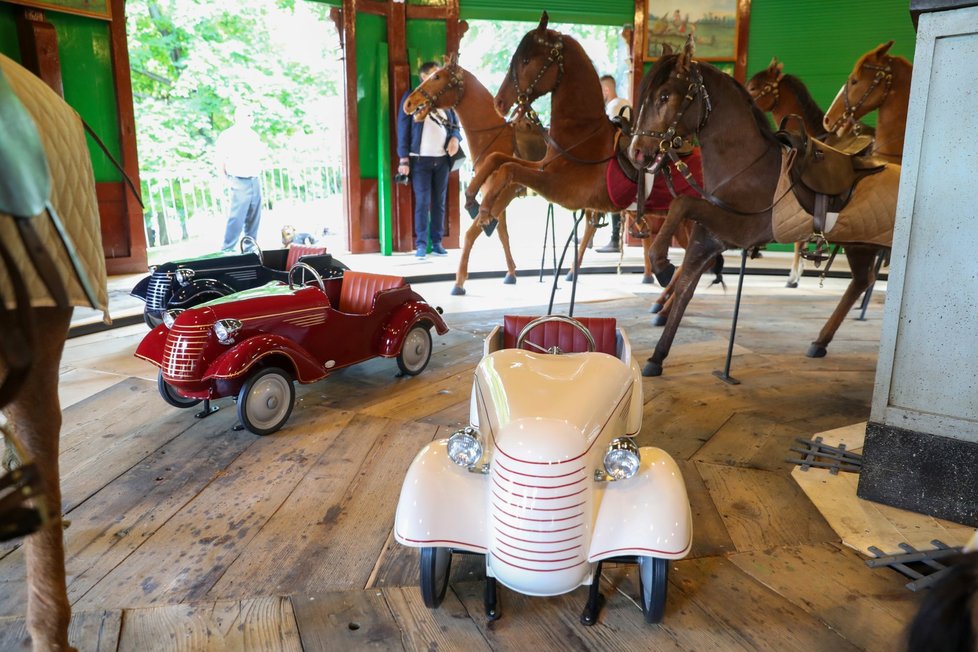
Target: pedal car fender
{"x": 646, "y": 515}
{"x": 150, "y": 348}
{"x": 400, "y": 322}
{"x": 199, "y": 291}
{"x": 442, "y": 504}
{"x": 241, "y": 357}
{"x": 139, "y": 291}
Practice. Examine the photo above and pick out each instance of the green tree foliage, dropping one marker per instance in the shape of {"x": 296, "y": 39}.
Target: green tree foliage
{"x": 194, "y": 60}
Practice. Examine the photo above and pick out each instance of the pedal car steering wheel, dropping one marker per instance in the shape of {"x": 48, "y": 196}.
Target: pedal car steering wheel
{"x": 553, "y": 318}
{"x": 304, "y": 267}
{"x": 248, "y": 240}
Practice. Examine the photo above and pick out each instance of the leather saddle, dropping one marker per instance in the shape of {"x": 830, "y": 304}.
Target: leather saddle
{"x": 824, "y": 177}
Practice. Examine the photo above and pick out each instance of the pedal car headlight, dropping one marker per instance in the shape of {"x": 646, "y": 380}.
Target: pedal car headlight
{"x": 225, "y": 330}
{"x": 170, "y": 316}
{"x": 464, "y": 447}
{"x": 184, "y": 276}
{"x": 622, "y": 460}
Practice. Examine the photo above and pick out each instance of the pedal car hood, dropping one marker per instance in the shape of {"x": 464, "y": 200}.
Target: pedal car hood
{"x": 574, "y": 393}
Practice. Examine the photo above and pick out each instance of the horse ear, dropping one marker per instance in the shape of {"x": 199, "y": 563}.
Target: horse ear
{"x": 775, "y": 67}
{"x": 453, "y": 59}
{"x": 686, "y": 56}
{"x": 883, "y": 49}
{"x": 667, "y": 50}
{"x": 544, "y": 19}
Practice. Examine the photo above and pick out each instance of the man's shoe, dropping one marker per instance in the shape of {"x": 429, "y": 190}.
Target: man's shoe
{"x": 610, "y": 248}
{"x": 421, "y": 253}
{"x": 438, "y": 250}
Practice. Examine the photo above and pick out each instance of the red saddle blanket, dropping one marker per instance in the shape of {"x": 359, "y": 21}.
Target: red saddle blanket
{"x": 622, "y": 190}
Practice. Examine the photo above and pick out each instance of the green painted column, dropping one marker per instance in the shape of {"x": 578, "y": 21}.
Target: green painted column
{"x": 384, "y": 198}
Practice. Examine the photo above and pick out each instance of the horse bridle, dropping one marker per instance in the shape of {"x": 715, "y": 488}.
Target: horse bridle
{"x": 456, "y": 81}
{"x": 883, "y": 75}
{"x": 669, "y": 140}
{"x": 555, "y": 55}
{"x": 771, "y": 88}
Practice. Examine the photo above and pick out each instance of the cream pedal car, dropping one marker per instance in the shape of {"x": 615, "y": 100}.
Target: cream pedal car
{"x": 547, "y": 481}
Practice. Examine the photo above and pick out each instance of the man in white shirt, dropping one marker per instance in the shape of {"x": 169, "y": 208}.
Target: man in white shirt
{"x": 239, "y": 156}
{"x": 612, "y": 105}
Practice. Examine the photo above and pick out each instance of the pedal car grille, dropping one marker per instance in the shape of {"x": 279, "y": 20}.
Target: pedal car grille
{"x": 538, "y": 515}
{"x": 182, "y": 352}
{"x": 158, "y": 290}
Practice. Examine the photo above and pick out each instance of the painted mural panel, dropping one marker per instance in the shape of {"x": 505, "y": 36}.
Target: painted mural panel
{"x": 94, "y": 8}
{"x": 712, "y": 24}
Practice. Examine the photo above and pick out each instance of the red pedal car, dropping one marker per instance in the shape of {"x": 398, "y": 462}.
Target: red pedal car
{"x": 254, "y": 344}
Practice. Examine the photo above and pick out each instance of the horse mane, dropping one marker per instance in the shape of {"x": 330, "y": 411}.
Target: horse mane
{"x": 811, "y": 111}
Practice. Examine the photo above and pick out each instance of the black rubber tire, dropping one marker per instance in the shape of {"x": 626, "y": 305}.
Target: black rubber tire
{"x": 436, "y": 566}
{"x": 653, "y": 582}
{"x": 171, "y": 396}
{"x": 415, "y": 351}
{"x": 282, "y": 391}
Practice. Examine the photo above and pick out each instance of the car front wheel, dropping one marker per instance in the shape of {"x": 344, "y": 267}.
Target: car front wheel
{"x": 436, "y": 564}
{"x": 171, "y": 396}
{"x": 265, "y": 401}
{"x": 653, "y": 574}
{"x": 415, "y": 351}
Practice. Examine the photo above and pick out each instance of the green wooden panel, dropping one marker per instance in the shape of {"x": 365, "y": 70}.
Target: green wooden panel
{"x": 384, "y": 198}
{"x": 86, "y": 71}
{"x": 371, "y": 30}
{"x": 586, "y": 12}
{"x": 426, "y": 41}
{"x": 8, "y": 32}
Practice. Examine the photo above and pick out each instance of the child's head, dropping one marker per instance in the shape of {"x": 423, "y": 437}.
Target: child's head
{"x": 288, "y": 235}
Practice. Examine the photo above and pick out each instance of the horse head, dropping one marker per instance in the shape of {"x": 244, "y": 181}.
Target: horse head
{"x": 442, "y": 90}
{"x": 672, "y": 106}
{"x": 763, "y": 87}
{"x": 866, "y": 89}
{"x": 536, "y": 69}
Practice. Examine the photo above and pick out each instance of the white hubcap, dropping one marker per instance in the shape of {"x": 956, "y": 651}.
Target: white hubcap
{"x": 415, "y": 350}
{"x": 268, "y": 401}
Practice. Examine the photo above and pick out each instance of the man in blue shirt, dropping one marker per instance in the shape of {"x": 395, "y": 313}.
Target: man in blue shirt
{"x": 423, "y": 149}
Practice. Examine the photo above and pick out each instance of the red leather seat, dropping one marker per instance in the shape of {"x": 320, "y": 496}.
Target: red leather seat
{"x": 298, "y": 251}
{"x": 358, "y": 289}
{"x": 568, "y": 338}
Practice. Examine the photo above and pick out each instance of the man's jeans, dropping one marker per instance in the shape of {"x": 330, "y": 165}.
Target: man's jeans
{"x": 429, "y": 179}
{"x": 245, "y": 209}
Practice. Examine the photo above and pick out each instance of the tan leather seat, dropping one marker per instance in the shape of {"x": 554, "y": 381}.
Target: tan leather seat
{"x": 358, "y": 290}
{"x": 568, "y": 338}
{"x": 298, "y": 251}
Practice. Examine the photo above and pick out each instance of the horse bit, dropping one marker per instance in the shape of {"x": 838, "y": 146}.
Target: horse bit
{"x": 884, "y": 75}
{"x": 456, "y": 80}
{"x": 523, "y": 97}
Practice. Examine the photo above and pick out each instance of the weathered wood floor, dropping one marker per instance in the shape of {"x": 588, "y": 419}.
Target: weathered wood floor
{"x": 186, "y": 535}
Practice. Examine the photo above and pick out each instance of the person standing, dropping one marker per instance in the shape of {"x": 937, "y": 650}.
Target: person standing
{"x": 613, "y": 104}
{"x": 239, "y": 156}
{"x": 424, "y": 149}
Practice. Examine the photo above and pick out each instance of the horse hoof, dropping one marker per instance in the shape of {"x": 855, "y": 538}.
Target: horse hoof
{"x": 665, "y": 276}
{"x": 791, "y": 284}
{"x": 510, "y": 279}
{"x": 458, "y": 291}
{"x": 656, "y": 307}
{"x": 472, "y": 208}
{"x": 648, "y": 279}
{"x": 816, "y": 351}
{"x": 651, "y": 369}
{"x": 659, "y": 320}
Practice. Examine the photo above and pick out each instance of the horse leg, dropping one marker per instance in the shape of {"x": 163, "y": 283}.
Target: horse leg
{"x": 663, "y": 304}
{"x": 489, "y": 165}
{"x": 702, "y": 251}
{"x": 590, "y": 228}
{"x": 463, "y": 264}
{"x": 36, "y": 416}
{"x": 797, "y": 267}
{"x": 861, "y": 262}
{"x": 503, "y": 230}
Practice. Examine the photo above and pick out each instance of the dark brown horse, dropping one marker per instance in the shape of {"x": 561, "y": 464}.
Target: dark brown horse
{"x": 486, "y": 133}
{"x": 877, "y": 81}
{"x": 681, "y": 99}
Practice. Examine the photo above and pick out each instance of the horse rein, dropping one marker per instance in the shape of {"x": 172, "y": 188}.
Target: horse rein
{"x": 523, "y": 97}
{"x": 456, "y": 80}
{"x": 668, "y": 139}
{"x": 884, "y": 75}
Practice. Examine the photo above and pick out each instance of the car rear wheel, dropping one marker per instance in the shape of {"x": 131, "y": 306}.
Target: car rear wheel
{"x": 265, "y": 401}
{"x": 436, "y": 565}
{"x": 415, "y": 351}
{"x": 653, "y": 576}
{"x": 171, "y": 396}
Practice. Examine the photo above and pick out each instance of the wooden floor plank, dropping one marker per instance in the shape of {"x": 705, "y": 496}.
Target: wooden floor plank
{"x": 448, "y": 627}
{"x": 750, "y": 439}
{"x": 346, "y": 620}
{"x": 348, "y": 496}
{"x": 710, "y": 536}
{"x": 762, "y": 509}
{"x": 89, "y": 631}
{"x": 259, "y": 625}
{"x": 870, "y": 608}
{"x": 185, "y": 557}
{"x": 399, "y": 566}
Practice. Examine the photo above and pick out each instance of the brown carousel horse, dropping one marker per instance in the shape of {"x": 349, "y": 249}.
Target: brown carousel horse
{"x": 877, "y": 81}
{"x": 743, "y": 187}
{"x": 782, "y": 96}
{"x": 453, "y": 87}
{"x": 45, "y": 170}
